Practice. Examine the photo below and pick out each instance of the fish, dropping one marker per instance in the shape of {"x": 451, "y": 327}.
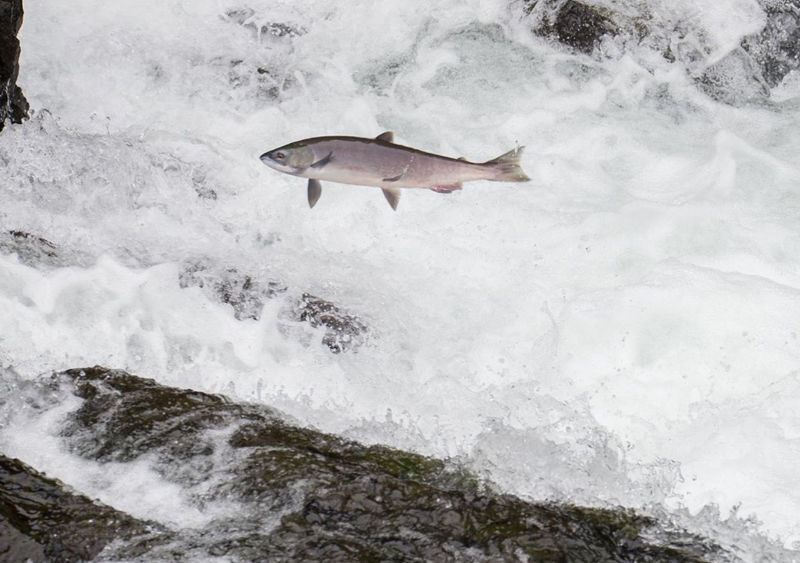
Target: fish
{"x": 379, "y": 162}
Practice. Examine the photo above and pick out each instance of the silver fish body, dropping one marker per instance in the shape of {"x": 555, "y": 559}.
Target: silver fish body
{"x": 381, "y": 163}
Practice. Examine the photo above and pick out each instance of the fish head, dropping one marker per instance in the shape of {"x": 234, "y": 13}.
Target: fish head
{"x": 290, "y": 159}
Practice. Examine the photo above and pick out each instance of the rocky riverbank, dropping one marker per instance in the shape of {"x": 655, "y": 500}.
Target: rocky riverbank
{"x": 299, "y": 494}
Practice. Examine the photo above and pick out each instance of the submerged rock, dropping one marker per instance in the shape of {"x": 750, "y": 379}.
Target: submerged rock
{"x": 343, "y": 331}
{"x": 776, "y": 49}
{"x": 302, "y": 495}
{"x": 576, "y": 24}
{"x": 247, "y": 294}
{"x": 38, "y": 252}
{"x": 40, "y": 520}
{"x": 13, "y": 105}
{"x": 243, "y": 292}
{"x": 736, "y": 78}
{"x": 31, "y": 250}
{"x": 746, "y": 73}
{"x": 761, "y": 61}
{"x": 247, "y": 17}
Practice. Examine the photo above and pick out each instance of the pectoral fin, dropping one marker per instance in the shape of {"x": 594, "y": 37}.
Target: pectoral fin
{"x": 392, "y": 196}
{"x": 322, "y": 161}
{"x": 386, "y": 136}
{"x": 314, "y": 191}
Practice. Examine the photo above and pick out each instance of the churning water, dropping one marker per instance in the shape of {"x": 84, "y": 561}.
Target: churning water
{"x": 622, "y": 330}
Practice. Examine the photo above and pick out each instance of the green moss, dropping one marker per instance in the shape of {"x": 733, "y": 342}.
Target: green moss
{"x": 338, "y": 499}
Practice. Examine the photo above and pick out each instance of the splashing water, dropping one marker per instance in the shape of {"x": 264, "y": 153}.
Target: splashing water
{"x": 621, "y": 330}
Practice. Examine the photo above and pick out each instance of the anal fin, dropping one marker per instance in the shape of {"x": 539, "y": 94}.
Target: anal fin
{"x": 446, "y": 188}
{"x": 314, "y": 191}
{"x": 392, "y": 196}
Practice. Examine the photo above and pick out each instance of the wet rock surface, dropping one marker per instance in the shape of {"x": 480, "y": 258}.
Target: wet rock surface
{"x": 343, "y": 331}
{"x": 244, "y": 292}
{"x": 247, "y": 294}
{"x": 267, "y": 81}
{"x": 776, "y": 49}
{"x": 30, "y": 249}
{"x": 247, "y": 17}
{"x": 13, "y": 105}
{"x": 39, "y": 252}
{"x": 301, "y": 494}
{"x": 746, "y": 73}
{"x": 734, "y": 79}
{"x": 40, "y": 520}
{"x": 579, "y": 25}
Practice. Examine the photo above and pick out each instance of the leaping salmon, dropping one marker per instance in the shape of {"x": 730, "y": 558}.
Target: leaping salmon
{"x": 381, "y": 163}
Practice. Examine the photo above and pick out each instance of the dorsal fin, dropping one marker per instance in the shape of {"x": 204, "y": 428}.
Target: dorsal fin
{"x": 386, "y": 136}
{"x": 462, "y": 158}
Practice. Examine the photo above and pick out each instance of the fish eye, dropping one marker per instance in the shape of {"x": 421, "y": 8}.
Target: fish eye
{"x": 280, "y": 156}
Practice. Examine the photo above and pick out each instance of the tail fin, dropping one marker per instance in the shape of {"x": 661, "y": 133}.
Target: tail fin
{"x": 506, "y": 167}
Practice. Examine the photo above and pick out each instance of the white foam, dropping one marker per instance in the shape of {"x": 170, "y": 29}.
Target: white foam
{"x": 133, "y": 487}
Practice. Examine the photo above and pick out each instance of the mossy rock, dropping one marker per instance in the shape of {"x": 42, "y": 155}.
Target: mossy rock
{"x": 303, "y": 495}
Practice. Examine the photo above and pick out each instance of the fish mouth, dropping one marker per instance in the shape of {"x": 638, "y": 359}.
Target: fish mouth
{"x": 268, "y": 159}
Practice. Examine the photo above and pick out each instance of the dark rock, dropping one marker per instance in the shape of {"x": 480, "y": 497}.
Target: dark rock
{"x": 776, "y": 48}
{"x": 246, "y": 295}
{"x": 581, "y": 26}
{"x": 343, "y": 331}
{"x": 264, "y": 81}
{"x": 243, "y": 292}
{"x": 177, "y": 168}
{"x": 13, "y": 105}
{"x": 30, "y": 249}
{"x": 38, "y": 252}
{"x": 303, "y": 495}
{"x": 246, "y": 17}
{"x": 576, "y": 24}
{"x": 745, "y": 74}
{"x": 762, "y": 61}
{"x": 40, "y": 520}
{"x": 734, "y": 79}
